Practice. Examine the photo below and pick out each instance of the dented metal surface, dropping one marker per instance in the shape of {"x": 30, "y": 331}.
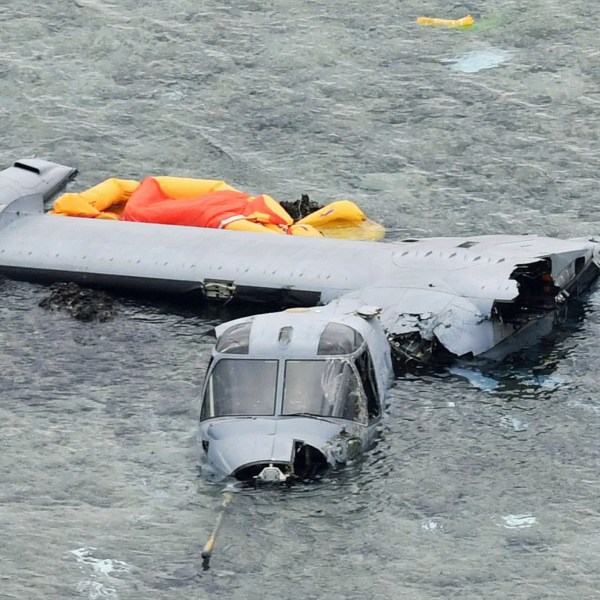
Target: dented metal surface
{"x": 471, "y": 295}
{"x": 467, "y": 294}
{"x": 290, "y": 393}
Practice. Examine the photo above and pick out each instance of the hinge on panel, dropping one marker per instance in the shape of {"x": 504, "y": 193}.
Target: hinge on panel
{"x": 218, "y": 289}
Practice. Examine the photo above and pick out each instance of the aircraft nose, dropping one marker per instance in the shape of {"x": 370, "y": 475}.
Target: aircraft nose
{"x": 243, "y": 448}
{"x": 255, "y": 449}
{"x": 246, "y": 456}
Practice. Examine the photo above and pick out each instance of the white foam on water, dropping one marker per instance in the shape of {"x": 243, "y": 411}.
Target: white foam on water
{"x": 431, "y": 525}
{"x": 100, "y": 566}
{"x": 96, "y": 591}
{"x": 514, "y": 423}
{"x": 105, "y": 568}
{"x": 517, "y": 521}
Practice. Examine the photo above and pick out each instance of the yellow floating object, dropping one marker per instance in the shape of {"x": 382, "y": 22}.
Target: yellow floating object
{"x": 274, "y": 210}
{"x": 343, "y": 230}
{"x": 341, "y": 219}
{"x": 97, "y": 199}
{"x": 341, "y": 210}
{"x": 305, "y": 230}
{"x": 245, "y": 225}
{"x": 114, "y": 192}
{"x": 344, "y": 220}
{"x": 464, "y": 22}
{"x": 189, "y": 187}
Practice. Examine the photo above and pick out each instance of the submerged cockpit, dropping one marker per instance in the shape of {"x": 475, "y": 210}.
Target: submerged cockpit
{"x": 300, "y": 379}
{"x": 322, "y": 388}
{"x": 338, "y": 381}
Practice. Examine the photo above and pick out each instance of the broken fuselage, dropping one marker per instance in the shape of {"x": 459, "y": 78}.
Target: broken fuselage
{"x": 475, "y": 296}
{"x": 288, "y": 394}
{"x": 468, "y": 295}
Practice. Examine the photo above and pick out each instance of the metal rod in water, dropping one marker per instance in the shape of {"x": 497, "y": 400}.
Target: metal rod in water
{"x": 210, "y": 544}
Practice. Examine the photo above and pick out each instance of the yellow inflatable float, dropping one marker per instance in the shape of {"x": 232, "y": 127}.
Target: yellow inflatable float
{"x": 464, "y": 22}
{"x": 211, "y": 203}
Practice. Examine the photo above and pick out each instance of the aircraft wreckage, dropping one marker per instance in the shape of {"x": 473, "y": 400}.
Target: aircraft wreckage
{"x": 291, "y": 392}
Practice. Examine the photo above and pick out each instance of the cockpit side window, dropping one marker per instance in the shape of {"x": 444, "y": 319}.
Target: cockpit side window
{"x": 364, "y": 364}
{"x": 240, "y": 387}
{"x": 236, "y": 340}
{"x": 328, "y": 388}
{"x": 339, "y": 339}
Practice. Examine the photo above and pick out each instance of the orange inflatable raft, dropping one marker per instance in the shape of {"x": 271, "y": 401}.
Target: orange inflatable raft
{"x": 210, "y": 203}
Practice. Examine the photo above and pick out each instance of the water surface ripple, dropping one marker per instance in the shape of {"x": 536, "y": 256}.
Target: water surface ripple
{"x": 484, "y": 482}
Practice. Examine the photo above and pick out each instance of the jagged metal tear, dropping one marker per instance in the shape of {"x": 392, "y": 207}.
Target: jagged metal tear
{"x": 455, "y": 307}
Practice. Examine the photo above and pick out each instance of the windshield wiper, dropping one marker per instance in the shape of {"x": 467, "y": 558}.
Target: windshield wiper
{"x": 307, "y": 414}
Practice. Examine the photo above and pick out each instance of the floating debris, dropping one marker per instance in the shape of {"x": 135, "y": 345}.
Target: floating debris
{"x": 475, "y": 378}
{"x": 547, "y": 382}
{"x": 518, "y": 521}
{"x": 464, "y": 22}
{"x": 94, "y": 590}
{"x": 478, "y": 60}
{"x": 81, "y": 303}
{"x": 298, "y": 209}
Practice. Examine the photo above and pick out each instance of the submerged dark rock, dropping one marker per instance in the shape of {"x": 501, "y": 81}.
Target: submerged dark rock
{"x": 81, "y": 303}
{"x": 298, "y": 209}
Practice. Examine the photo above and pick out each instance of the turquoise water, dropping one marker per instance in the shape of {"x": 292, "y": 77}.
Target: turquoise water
{"x": 484, "y": 482}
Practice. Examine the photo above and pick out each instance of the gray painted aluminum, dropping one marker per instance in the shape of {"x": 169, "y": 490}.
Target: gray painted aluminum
{"x": 472, "y": 295}
{"x": 232, "y": 443}
{"x": 440, "y": 288}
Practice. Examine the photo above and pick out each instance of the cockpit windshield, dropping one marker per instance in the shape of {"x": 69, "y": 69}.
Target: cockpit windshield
{"x": 238, "y": 387}
{"x": 328, "y": 388}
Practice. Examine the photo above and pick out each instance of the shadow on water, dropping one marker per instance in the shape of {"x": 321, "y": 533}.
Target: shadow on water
{"x": 93, "y": 303}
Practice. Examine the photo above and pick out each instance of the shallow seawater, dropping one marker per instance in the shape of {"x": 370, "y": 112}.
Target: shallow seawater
{"x": 484, "y": 481}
